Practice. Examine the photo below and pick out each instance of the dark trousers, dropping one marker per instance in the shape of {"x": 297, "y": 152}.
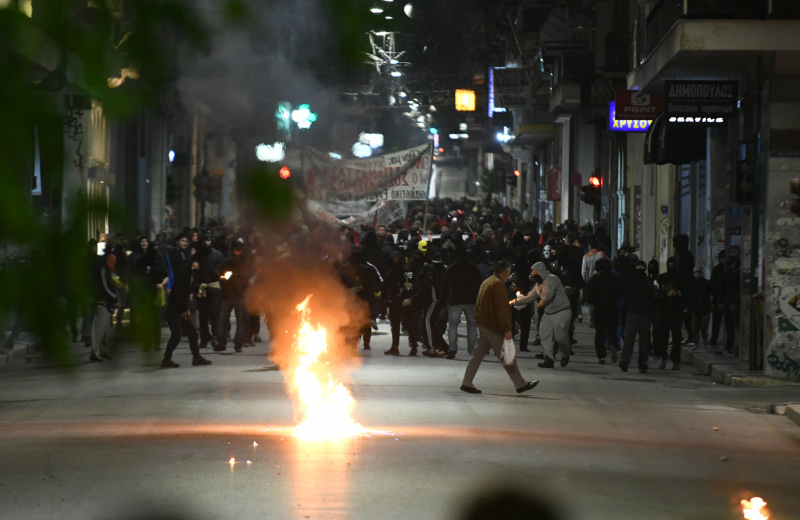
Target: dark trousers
{"x": 606, "y": 320}
{"x": 716, "y": 321}
{"x": 688, "y": 325}
{"x": 402, "y": 315}
{"x": 575, "y": 304}
{"x": 731, "y": 328}
{"x": 253, "y": 325}
{"x": 366, "y": 333}
{"x": 436, "y": 325}
{"x": 668, "y": 322}
{"x": 637, "y": 324}
{"x": 208, "y": 312}
{"x": 224, "y": 324}
{"x": 179, "y": 325}
{"x": 524, "y": 318}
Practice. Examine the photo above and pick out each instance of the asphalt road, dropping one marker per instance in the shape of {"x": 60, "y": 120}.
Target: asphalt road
{"x": 450, "y": 180}
{"x": 128, "y": 440}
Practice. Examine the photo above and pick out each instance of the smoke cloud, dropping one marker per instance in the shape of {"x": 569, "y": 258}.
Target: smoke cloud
{"x": 289, "y": 271}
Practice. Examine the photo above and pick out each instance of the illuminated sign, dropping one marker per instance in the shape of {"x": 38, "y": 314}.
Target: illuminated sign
{"x": 632, "y": 104}
{"x": 703, "y": 120}
{"x": 465, "y": 100}
{"x": 625, "y": 125}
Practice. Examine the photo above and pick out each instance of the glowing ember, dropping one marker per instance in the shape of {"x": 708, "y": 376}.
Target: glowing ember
{"x": 326, "y": 405}
{"x": 752, "y": 509}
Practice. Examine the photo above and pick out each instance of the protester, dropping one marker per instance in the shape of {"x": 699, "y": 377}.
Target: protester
{"x": 460, "y": 287}
{"x": 105, "y": 302}
{"x": 671, "y": 302}
{"x": 700, "y": 308}
{"x": 603, "y": 292}
{"x": 550, "y": 296}
{"x": 235, "y": 274}
{"x": 178, "y": 313}
{"x": 640, "y": 298}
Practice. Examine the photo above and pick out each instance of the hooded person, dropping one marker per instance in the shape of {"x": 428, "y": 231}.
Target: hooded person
{"x": 640, "y": 297}
{"x": 363, "y": 280}
{"x": 235, "y": 274}
{"x": 671, "y": 302}
{"x": 436, "y": 313}
{"x": 178, "y": 312}
{"x": 105, "y": 302}
{"x": 397, "y": 293}
{"x": 604, "y": 291}
{"x": 550, "y": 296}
{"x": 210, "y": 294}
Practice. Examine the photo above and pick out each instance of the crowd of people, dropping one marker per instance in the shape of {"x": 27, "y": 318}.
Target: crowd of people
{"x": 422, "y": 274}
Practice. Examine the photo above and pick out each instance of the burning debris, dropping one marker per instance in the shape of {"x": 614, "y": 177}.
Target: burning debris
{"x": 752, "y": 509}
{"x": 325, "y": 405}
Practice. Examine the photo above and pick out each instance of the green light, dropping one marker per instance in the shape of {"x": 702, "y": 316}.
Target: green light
{"x": 303, "y": 116}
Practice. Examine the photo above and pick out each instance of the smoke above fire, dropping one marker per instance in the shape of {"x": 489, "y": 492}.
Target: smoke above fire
{"x": 260, "y": 54}
{"x": 289, "y": 270}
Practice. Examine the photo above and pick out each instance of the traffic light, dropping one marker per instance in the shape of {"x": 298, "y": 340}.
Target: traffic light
{"x": 794, "y": 187}
{"x": 512, "y": 179}
{"x": 285, "y": 172}
{"x": 590, "y": 194}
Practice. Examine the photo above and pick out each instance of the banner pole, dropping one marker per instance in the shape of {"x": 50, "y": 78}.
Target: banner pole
{"x": 428, "y": 191}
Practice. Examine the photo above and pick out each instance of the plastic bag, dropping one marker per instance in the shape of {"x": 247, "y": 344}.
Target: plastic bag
{"x": 161, "y": 297}
{"x": 507, "y": 352}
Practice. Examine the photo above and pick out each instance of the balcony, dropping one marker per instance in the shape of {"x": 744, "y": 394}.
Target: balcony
{"x": 707, "y": 40}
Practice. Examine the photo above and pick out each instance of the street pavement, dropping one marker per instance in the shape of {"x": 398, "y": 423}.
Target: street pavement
{"x": 126, "y": 439}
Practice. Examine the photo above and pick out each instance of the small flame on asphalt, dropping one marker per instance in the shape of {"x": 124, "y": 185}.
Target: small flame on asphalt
{"x": 752, "y": 509}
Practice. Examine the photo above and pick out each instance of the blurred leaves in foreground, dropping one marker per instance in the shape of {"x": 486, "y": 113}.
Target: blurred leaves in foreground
{"x": 44, "y": 261}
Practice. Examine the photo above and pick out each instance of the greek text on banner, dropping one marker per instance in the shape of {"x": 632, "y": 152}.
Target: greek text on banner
{"x": 396, "y": 176}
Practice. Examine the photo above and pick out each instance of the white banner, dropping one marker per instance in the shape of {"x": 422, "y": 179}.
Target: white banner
{"x": 396, "y": 176}
{"x": 382, "y": 213}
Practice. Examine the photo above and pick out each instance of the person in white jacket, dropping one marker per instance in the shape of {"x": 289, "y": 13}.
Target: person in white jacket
{"x": 550, "y": 295}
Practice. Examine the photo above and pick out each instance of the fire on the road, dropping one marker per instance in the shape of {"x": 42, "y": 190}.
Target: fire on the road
{"x": 325, "y": 404}
{"x": 752, "y": 509}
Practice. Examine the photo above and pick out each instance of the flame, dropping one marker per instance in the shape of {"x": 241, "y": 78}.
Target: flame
{"x": 326, "y": 404}
{"x": 752, "y": 509}
{"x": 227, "y": 275}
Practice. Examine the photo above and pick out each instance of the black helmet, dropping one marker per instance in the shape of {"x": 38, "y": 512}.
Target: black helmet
{"x": 238, "y": 244}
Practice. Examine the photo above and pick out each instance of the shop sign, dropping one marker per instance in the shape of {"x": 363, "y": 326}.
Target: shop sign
{"x": 701, "y": 99}
{"x": 625, "y": 125}
{"x": 633, "y": 104}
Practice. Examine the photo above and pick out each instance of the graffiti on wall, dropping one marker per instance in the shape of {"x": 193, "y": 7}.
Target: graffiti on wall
{"x": 785, "y": 365}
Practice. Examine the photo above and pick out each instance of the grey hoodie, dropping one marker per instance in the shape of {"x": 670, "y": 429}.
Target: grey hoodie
{"x": 552, "y": 294}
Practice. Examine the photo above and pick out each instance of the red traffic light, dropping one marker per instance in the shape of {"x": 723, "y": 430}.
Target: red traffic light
{"x": 285, "y": 172}
{"x": 516, "y": 172}
{"x": 594, "y": 181}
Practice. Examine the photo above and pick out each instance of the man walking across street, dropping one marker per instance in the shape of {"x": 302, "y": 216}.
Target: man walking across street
{"x": 493, "y": 317}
